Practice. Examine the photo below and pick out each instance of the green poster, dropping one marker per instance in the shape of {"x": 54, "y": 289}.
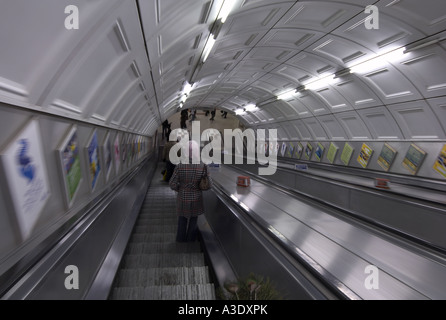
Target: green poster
{"x": 347, "y": 153}
{"x": 332, "y": 151}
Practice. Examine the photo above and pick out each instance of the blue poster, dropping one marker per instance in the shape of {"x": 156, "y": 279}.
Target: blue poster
{"x": 93, "y": 159}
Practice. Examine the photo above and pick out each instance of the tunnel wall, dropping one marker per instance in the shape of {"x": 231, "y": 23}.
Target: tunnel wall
{"x": 19, "y": 238}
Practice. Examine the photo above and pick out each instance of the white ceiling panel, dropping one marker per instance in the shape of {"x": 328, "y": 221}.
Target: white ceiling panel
{"x": 381, "y": 123}
{"x": 438, "y": 105}
{"x": 353, "y": 125}
{"x": 317, "y": 131}
{"x": 332, "y": 127}
{"x": 302, "y": 129}
{"x": 357, "y": 93}
{"x": 429, "y": 18}
{"x": 335, "y": 101}
{"x": 392, "y": 33}
{"x": 293, "y": 134}
{"x": 341, "y": 51}
{"x": 417, "y": 120}
{"x": 391, "y": 86}
{"x": 426, "y": 68}
{"x": 314, "y": 105}
{"x": 255, "y": 18}
{"x": 322, "y": 16}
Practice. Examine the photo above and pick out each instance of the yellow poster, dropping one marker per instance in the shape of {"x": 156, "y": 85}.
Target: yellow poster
{"x": 440, "y": 163}
{"x": 364, "y": 155}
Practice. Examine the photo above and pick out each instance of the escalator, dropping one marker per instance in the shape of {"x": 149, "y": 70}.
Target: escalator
{"x": 155, "y": 266}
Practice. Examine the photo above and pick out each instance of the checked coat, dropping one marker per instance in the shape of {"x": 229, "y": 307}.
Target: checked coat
{"x": 185, "y": 180}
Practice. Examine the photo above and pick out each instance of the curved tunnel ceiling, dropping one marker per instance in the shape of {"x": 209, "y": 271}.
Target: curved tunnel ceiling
{"x": 127, "y": 64}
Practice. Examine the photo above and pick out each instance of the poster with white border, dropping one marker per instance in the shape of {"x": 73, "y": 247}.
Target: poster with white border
{"x": 117, "y": 153}
{"x": 107, "y": 156}
{"x": 69, "y": 159}
{"x": 94, "y": 163}
{"x": 27, "y": 176}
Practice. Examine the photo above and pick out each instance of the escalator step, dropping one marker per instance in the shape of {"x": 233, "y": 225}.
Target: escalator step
{"x": 163, "y": 260}
{"x": 180, "y": 292}
{"x": 162, "y": 277}
{"x": 161, "y": 247}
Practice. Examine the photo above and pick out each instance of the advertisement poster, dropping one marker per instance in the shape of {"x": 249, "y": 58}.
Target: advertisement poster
{"x": 107, "y": 154}
{"x": 440, "y": 163}
{"x": 413, "y": 159}
{"x": 364, "y": 155}
{"x": 332, "y": 151}
{"x": 26, "y": 174}
{"x": 386, "y": 157}
{"x": 124, "y": 150}
{"x": 308, "y": 151}
{"x": 299, "y": 150}
{"x": 319, "y": 151}
{"x": 117, "y": 154}
{"x": 71, "y": 164}
{"x": 290, "y": 150}
{"x": 94, "y": 164}
{"x": 283, "y": 149}
{"x": 346, "y": 154}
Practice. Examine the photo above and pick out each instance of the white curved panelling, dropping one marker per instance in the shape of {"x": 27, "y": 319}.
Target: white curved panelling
{"x": 429, "y": 17}
{"x": 287, "y": 110}
{"x": 111, "y": 94}
{"x": 341, "y": 51}
{"x": 417, "y": 120}
{"x": 121, "y": 105}
{"x": 334, "y": 101}
{"x": 317, "y": 131}
{"x": 332, "y": 127}
{"x": 275, "y": 112}
{"x": 315, "y": 106}
{"x": 438, "y": 105}
{"x": 255, "y": 18}
{"x": 426, "y": 68}
{"x": 391, "y": 86}
{"x": 302, "y": 130}
{"x": 392, "y": 33}
{"x": 381, "y": 123}
{"x": 293, "y": 39}
{"x": 353, "y": 125}
{"x": 355, "y": 91}
{"x": 320, "y": 16}
{"x": 82, "y": 78}
{"x": 293, "y": 134}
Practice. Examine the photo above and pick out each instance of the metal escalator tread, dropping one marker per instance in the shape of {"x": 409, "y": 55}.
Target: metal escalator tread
{"x": 155, "y": 266}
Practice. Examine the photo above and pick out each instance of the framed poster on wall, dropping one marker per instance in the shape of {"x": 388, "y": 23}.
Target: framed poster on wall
{"x": 413, "y": 159}
{"x": 69, "y": 159}
{"x": 117, "y": 153}
{"x": 364, "y": 155}
{"x": 283, "y": 149}
{"x": 332, "y": 151}
{"x": 347, "y": 153}
{"x": 386, "y": 157}
{"x": 308, "y": 151}
{"x": 290, "y": 150}
{"x": 107, "y": 156}
{"x": 94, "y": 163}
{"x": 319, "y": 151}
{"x": 299, "y": 149}
{"x": 440, "y": 163}
{"x": 26, "y": 174}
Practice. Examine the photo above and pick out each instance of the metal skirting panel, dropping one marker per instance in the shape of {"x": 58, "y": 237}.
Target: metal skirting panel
{"x": 417, "y": 219}
{"x": 248, "y": 251}
{"x": 91, "y": 247}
